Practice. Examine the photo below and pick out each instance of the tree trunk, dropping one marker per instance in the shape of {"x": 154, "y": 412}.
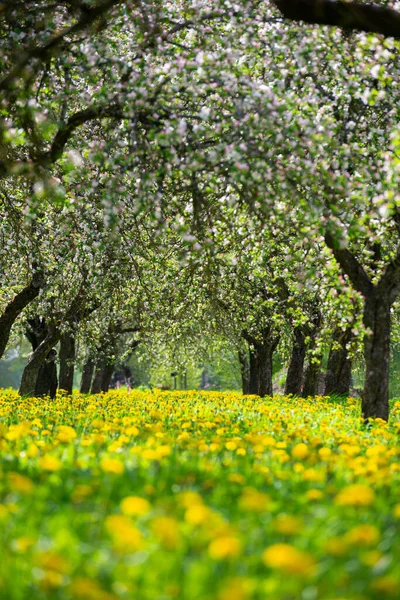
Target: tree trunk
{"x": 338, "y": 371}
{"x": 98, "y": 376}
{"x": 87, "y": 376}
{"x": 376, "y": 318}
{"x": 67, "y": 358}
{"x": 254, "y": 378}
{"x": 30, "y": 374}
{"x": 106, "y": 377}
{"x": 16, "y": 306}
{"x": 311, "y": 379}
{"x": 375, "y": 401}
{"x": 46, "y": 383}
{"x": 245, "y": 371}
{"x": 295, "y": 374}
{"x": 265, "y": 354}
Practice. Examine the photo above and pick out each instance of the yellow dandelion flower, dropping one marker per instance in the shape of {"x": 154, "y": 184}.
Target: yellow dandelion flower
{"x": 312, "y": 495}
{"x": 50, "y": 463}
{"x": 132, "y": 431}
{"x": 66, "y": 434}
{"x": 83, "y": 588}
{"x": 364, "y": 535}
{"x": 167, "y": 531}
{"x": 188, "y": 499}
{"x": 20, "y": 483}
{"x": 24, "y": 543}
{"x": 253, "y": 500}
{"x": 387, "y": 584}
{"x": 396, "y": 511}
{"x": 355, "y": 495}
{"x": 299, "y": 451}
{"x": 112, "y": 465}
{"x": 237, "y": 588}
{"x": 32, "y": 451}
{"x": 135, "y": 506}
{"x": 52, "y": 561}
{"x": 231, "y": 446}
{"x": 197, "y": 514}
{"x": 125, "y": 536}
{"x": 225, "y": 547}
{"x": 288, "y": 559}
{"x": 18, "y": 431}
{"x": 236, "y": 478}
{"x": 370, "y": 558}
{"x": 324, "y": 453}
{"x": 288, "y": 524}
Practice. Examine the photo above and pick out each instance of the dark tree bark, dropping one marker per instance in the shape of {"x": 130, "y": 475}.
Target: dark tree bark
{"x": 311, "y": 379}
{"x": 16, "y": 306}
{"x": 265, "y": 363}
{"x": 261, "y": 355}
{"x": 43, "y": 337}
{"x": 30, "y": 374}
{"x": 266, "y": 353}
{"x": 67, "y": 358}
{"x": 87, "y": 376}
{"x": 375, "y": 398}
{"x": 107, "y": 374}
{"x": 338, "y": 370}
{"x": 376, "y": 317}
{"x": 68, "y": 350}
{"x": 295, "y": 374}
{"x": 245, "y": 371}
{"x": 98, "y": 378}
{"x": 348, "y": 15}
{"x": 46, "y": 383}
{"x": 313, "y": 371}
{"x": 37, "y": 331}
{"x": 254, "y": 378}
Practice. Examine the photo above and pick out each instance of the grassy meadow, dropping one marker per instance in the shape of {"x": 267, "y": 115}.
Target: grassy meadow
{"x": 196, "y": 496}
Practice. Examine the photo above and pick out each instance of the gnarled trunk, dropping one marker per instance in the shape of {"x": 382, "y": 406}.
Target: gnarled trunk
{"x": 87, "y": 376}
{"x": 295, "y": 374}
{"x": 67, "y": 358}
{"x": 338, "y": 370}
{"x": 375, "y": 400}
{"x": 29, "y": 381}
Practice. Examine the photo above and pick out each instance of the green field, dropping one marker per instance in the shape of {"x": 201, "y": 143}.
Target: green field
{"x": 196, "y": 496}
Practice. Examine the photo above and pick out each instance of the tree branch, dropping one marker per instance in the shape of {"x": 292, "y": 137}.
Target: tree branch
{"x": 16, "y": 306}
{"x": 45, "y": 51}
{"x": 348, "y": 15}
{"x": 75, "y": 121}
{"x": 350, "y": 265}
